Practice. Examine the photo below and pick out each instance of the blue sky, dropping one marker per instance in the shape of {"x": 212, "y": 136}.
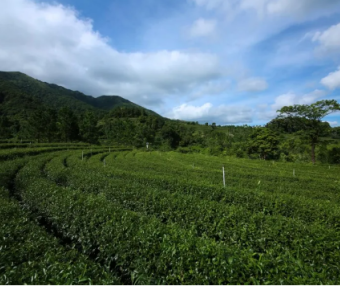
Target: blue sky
{"x": 223, "y": 61}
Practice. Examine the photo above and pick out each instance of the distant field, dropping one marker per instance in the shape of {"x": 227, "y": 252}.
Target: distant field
{"x": 72, "y": 214}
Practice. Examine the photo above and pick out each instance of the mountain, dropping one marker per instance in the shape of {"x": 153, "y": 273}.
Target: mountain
{"x": 20, "y": 92}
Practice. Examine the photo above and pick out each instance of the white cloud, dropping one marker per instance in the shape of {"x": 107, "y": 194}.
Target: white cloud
{"x": 289, "y": 98}
{"x": 332, "y": 80}
{"x": 329, "y": 39}
{"x": 50, "y": 42}
{"x": 221, "y": 114}
{"x": 210, "y": 88}
{"x": 268, "y": 112}
{"x": 332, "y": 123}
{"x": 202, "y": 28}
{"x": 211, "y": 4}
{"x": 252, "y": 84}
{"x": 299, "y": 9}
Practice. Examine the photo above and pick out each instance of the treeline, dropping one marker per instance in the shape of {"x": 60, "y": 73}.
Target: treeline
{"x": 281, "y": 139}
{"x": 124, "y": 125}
{"x": 50, "y": 125}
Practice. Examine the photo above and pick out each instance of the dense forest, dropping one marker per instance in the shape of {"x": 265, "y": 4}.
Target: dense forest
{"x": 31, "y": 110}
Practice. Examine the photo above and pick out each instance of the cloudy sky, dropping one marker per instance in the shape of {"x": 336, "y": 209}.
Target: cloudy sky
{"x": 223, "y": 61}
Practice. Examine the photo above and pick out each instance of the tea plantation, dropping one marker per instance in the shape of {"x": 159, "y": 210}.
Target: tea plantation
{"x": 75, "y": 214}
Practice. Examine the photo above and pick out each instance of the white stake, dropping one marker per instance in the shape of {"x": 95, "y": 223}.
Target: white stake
{"x": 104, "y": 163}
{"x": 223, "y": 176}
{"x": 294, "y": 172}
{"x": 109, "y": 149}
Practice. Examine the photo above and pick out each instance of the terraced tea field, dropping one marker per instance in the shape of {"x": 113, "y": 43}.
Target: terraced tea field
{"x": 74, "y": 215}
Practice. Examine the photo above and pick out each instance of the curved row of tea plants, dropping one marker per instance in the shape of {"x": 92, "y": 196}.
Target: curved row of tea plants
{"x": 176, "y": 228}
{"x": 10, "y": 154}
{"x": 30, "y": 255}
{"x": 230, "y": 224}
{"x": 268, "y": 176}
{"x": 40, "y": 145}
{"x": 255, "y": 200}
{"x": 148, "y": 251}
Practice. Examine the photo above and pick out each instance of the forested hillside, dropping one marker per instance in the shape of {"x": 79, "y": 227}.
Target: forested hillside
{"x": 34, "y": 111}
{"x": 18, "y": 90}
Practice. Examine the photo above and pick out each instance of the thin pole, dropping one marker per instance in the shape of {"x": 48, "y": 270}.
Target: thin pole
{"x": 223, "y": 176}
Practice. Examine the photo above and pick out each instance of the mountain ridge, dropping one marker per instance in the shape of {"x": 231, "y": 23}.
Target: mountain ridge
{"x": 17, "y": 85}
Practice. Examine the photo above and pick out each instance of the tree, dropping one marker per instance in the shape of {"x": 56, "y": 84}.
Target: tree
{"x": 67, "y": 125}
{"x": 313, "y": 127}
{"x": 51, "y": 124}
{"x": 263, "y": 142}
{"x": 170, "y": 136}
{"x": 88, "y": 128}
{"x": 37, "y": 123}
{"x": 290, "y": 124}
{"x": 5, "y": 127}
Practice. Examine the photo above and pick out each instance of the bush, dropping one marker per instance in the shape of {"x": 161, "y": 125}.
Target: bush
{"x": 334, "y": 155}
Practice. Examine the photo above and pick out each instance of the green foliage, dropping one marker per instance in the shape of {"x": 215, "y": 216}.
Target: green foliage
{"x": 289, "y": 124}
{"x": 165, "y": 218}
{"x": 15, "y": 85}
{"x": 30, "y": 255}
{"x": 312, "y": 114}
{"x": 4, "y": 127}
{"x": 264, "y": 142}
{"x": 67, "y": 125}
{"x": 35, "y": 111}
{"x": 315, "y": 111}
{"x": 88, "y": 128}
{"x": 334, "y": 155}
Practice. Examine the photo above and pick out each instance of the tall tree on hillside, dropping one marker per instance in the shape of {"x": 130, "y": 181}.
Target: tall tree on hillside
{"x": 51, "y": 118}
{"x": 4, "y": 127}
{"x": 313, "y": 127}
{"x": 37, "y": 121}
{"x": 170, "y": 136}
{"x": 67, "y": 125}
{"x": 88, "y": 128}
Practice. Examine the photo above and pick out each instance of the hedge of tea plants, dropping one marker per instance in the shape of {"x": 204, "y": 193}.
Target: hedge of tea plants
{"x": 166, "y": 218}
